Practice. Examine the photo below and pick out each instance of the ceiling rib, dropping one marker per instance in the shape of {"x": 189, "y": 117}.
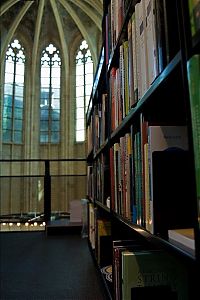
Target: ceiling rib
{"x": 96, "y": 5}
{"x": 61, "y": 33}
{"x": 96, "y": 19}
{"x": 81, "y": 27}
{"x": 7, "y": 5}
{"x": 14, "y": 26}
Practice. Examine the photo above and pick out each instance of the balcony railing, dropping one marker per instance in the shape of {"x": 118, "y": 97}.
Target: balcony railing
{"x": 33, "y": 192}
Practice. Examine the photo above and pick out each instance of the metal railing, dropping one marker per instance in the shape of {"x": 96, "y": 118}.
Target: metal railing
{"x": 39, "y": 189}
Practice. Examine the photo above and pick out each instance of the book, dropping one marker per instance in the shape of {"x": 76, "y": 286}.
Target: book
{"x": 161, "y": 138}
{"x": 194, "y": 11}
{"x": 152, "y": 55}
{"x": 103, "y": 233}
{"x": 171, "y": 190}
{"x": 193, "y": 73}
{"x": 118, "y": 247}
{"x": 183, "y": 238}
{"x": 154, "y": 271}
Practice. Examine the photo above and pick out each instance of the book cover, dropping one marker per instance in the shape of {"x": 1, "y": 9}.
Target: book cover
{"x": 172, "y": 190}
{"x": 152, "y": 55}
{"x": 161, "y": 138}
{"x": 193, "y": 72}
{"x": 194, "y": 11}
{"x": 160, "y": 35}
{"x": 142, "y": 269}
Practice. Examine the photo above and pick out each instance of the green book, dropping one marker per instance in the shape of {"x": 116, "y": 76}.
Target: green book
{"x": 154, "y": 273}
{"x": 193, "y": 72}
{"x": 194, "y": 11}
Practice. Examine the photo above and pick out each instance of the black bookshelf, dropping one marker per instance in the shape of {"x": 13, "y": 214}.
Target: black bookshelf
{"x": 165, "y": 102}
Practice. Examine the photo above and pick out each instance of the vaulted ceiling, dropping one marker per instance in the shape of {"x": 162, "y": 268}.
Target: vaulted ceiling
{"x": 49, "y": 19}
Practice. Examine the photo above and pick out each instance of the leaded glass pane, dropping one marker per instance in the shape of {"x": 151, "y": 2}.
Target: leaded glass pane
{"x": 8, "y": 89}
{"x": 55, "y": 115}
{"x": 7, "y": 135}
{"x": 45, "y": 81}
{"x": 17, "y": 136}
{"x": 19, "y": 113}
{"x": 18, "y": 102}
{"x": 7, "y": 111}
{"x": 89, "y": 68}
{"x": 9, "y": 68}
{"x": 80, "y": 91}
{"x": 80, "y": 136}
{"x": 56, "y": 94}
{"x": 55, "y": 81}
{"x": 44, "y": 137}
{"x": 80, "y": 113}
{"x": 79, "y": 69}
{"x": 20, "y": 69}
{"x": 80, "y": 124}
{"x": 88, "y": 89}
{"x": 55, "y": 125}
{"x": 19, "y": 90}
{"x": 44, "y": 113}
{"x": 17, "y": 124}
{"x": 7, "y": 123}
{"x": 55, "y": 72}
{"x": 79, "y": 80}
{"x": 9, "y": 77}
{"x": 44, "y": 125}
{"x": 80, "y": 102}
{"x": 7, "y": 100}
{"x": 55, "y": 137}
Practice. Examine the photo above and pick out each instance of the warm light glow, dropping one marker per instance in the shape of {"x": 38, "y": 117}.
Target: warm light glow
{"x": 26, "y": 224}
{"x": 10, "y": 224}
{"x": 18, "y": 224}
{"x": 43, "y": 223}
{"x": 35, "y": 223}
{"x": 4, "y": 224}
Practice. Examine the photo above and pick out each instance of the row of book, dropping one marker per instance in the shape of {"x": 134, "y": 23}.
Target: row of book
{"x": 135, "y": 270}
{"x": 142, "y": 159}
{"x": 139, "y": 272}
{"x": 98, "y": 180}
{"x": 152, "y": 41}
{"x": 97, "y": 130}
{"x": 150, "y": 178}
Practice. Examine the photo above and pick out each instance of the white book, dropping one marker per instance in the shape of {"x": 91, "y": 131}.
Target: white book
{"x": 143, "y": 48}
{"x": 161, "y": 138}
{"x": 152, "y": 56}
{"x": 183, "y": 238}
{"x": 138, "y": 58}
{"x": 134, "y": 59}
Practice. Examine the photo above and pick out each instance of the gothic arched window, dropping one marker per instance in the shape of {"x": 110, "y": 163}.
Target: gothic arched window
{"x": 13, "y": 102}
{"x": 50, "y": 95}
{"x": 84, "y": 81}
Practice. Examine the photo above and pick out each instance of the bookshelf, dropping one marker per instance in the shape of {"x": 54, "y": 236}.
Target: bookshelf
{"x": 144, "y": 140}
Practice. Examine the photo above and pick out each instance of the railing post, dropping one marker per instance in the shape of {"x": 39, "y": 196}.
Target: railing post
{"x": 47, "y": 192}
